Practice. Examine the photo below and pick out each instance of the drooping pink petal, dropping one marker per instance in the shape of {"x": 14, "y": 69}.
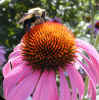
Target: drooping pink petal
{"x": 89, "y": 88}
{"x": 74, "y": 93}
{"x": 91, "y": 51}
{"x": 12, "y": 63}
{"x": 64, "y": 89}
{"x": 91, "y": 91}
{"x": 15, "y": 54}
{"x": 89, "y": 73}
{"x": 46, "y": 88}
{"x": 76, "y": 81}
{"x": 24, "y": 88}
{"x": 91, "y": 67}
{"x": 88, "y": 48}
{"x": 14, "y": 77}
{"x": 6, "y": 69}
{"x": 16, "y": 61}
{"x": 92, "y": 79}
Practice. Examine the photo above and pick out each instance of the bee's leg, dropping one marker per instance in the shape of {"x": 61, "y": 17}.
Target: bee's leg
{"x": 27, "y": 26}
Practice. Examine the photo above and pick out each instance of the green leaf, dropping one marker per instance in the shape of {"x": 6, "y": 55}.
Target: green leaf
{"x": 96, "y": 45}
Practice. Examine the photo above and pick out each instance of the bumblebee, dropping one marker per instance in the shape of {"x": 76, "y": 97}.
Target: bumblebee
{"x": 34, "y": 16}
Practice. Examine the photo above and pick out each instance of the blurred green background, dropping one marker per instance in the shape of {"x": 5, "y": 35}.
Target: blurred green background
{"x": 75, "y": 14}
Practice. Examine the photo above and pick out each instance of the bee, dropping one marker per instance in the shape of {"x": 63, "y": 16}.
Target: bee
{"x": 33, "y": 17}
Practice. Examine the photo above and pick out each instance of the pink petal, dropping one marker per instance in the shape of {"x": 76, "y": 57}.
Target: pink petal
{"x": 91, "y": 67}
{"x": 24, "y": 88}
{"x": 17, "y": 61}
{"x": 64, "y": 89}
{"x": 46, "y": 89}
{"x": 91, "y": 91}
{"x": 76, "y": 81}
{"x": 15, "y": 54}
{"x": 6, "y": 69}
{"x": 14, "y": 77}
{"x": 92, "y": 79}
{"x": 74, "y": 93}
{"x": 91, "y": 51}
{"x": 88, "y": 48}
{"x": 89, "y": 73}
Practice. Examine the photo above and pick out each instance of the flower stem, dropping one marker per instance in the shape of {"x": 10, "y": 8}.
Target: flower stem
{"x": 96, "y": 44}
{"x": 86, "y": 86}
{"x": 91, "y": 3}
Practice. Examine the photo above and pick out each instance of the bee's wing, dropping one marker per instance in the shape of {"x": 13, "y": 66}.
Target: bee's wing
{"x": 25, "y": 17}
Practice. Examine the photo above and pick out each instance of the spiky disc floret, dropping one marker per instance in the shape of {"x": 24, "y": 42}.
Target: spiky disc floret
{"x": 48, "y": 46}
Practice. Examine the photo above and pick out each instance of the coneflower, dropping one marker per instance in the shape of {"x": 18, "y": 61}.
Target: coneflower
{"x": 47, "y": 50}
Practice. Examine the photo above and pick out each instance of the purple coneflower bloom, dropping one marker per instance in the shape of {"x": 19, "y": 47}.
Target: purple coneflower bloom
{"x": 2, "y": 55}
{"x": 47, "y": 50}
{"x": 96, "y": 28}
